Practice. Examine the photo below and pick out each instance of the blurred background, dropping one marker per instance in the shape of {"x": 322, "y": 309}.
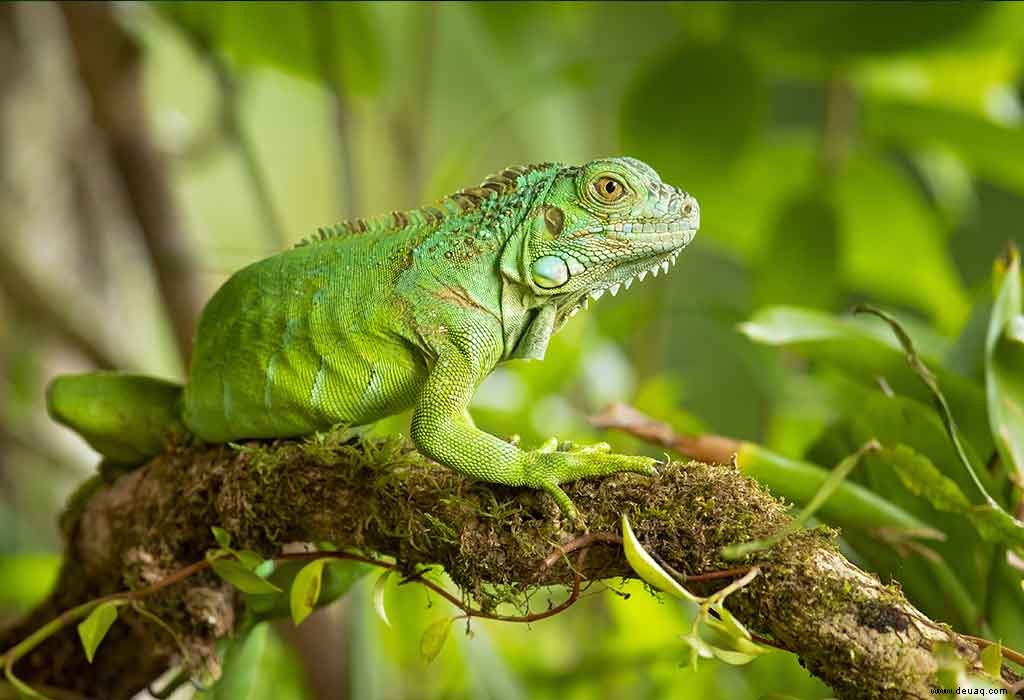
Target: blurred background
{"x": 841, "y": 153}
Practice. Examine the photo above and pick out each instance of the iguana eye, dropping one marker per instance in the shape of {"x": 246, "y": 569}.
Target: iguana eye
{"x": 609, "y": 189}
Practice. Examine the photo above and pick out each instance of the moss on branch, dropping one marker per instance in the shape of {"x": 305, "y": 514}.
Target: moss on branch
{"x": 379, "y": 496}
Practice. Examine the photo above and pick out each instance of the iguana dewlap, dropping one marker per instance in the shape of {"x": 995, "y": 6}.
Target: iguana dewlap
{"x": 410, "y": 309}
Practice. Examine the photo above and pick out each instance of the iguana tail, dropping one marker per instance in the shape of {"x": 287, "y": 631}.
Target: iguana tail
{"x": 127, "y": 418}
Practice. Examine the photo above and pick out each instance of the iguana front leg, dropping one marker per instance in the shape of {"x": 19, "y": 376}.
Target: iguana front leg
{"x": 441, "y": 430}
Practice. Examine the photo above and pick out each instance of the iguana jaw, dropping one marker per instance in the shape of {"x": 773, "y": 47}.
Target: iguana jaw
{"x": 623, "y": 278}
{"x": 667, "y": 244}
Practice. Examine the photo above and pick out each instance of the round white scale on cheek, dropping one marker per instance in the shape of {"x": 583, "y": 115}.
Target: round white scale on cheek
{"x": 549, "y": 272}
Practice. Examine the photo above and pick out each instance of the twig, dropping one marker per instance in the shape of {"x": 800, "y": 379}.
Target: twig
{"x": 591, "y": 538}
{"x": 468, "y": 612}
{"x": 709, "y": 448}
{"x": 579, "y": 543}
{"x": 1013, "y": 655}
{"x": 712, "y": 449}
{"x": 180, "y": 678}
{"x": 11, "y": 656}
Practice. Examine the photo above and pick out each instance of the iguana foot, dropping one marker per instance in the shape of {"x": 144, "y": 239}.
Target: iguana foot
{"x": 556, "y": 445}
{"x": 547, "y": 467}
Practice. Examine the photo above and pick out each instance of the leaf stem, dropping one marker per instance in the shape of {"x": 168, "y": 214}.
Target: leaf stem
{"x": 12, "y": 655}
{"x": 928, "y": 377}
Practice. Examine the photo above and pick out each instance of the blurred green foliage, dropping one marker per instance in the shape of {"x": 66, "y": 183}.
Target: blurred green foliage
{"x": 841, "y": 153}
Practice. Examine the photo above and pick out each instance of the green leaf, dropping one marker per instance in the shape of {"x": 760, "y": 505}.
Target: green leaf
{"x": 865, "y": 352}
{"x": 873, "y": 190}
{"x": 728, "y": 623}
{"x": 851, "y": 507}
{"x": 305, "y": 590}
{"x": 992, "y": 660}
{"x": 242, "y": 666}
{"x": 861, "y": 514}
{"x": 699, "y": 649}
{"x": 929, "y": 379}
{"x": 94, "y": 628}
{"x": 241, "y": 578}
{"x": 222, "y": 537}
{"x": 808, "y": 230}
{"x": 26, "y": 578}
{"x": 434, "y": 637}
{"x": 923, "y": 478}
{"x": 981, "y": 143}
{"x": 241, "y": 32}
{"x": 893, "y": 419}
{"x": 1004, "y": 368}
{"x": 828, "y": 33}
{"x": 733, "y": 658}
{"x": 731, "y": 638}
{"x": 337, "y": 578}
{"x": 649, "y": 570}
{"x": 250, "y": 559}
{"x": 824, "y": 493}
{"x": 712, "y": 103}
{"x": 378, "y": 596}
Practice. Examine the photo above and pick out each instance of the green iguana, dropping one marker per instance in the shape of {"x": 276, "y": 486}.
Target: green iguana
{"x": 410, "y": 309}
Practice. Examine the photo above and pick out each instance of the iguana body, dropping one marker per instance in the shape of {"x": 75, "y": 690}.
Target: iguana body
{"x": 411, "y": 309}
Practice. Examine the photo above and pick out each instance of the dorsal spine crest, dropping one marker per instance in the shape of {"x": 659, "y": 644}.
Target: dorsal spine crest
{"x": 464, "y": 201}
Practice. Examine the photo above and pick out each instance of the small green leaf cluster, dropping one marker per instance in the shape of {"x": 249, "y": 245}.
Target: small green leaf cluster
{"x": 714, "y": 632}
{"x": 293, "y": 587}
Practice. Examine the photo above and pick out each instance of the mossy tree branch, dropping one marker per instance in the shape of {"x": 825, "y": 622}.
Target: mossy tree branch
{"x": 861, "y": 637}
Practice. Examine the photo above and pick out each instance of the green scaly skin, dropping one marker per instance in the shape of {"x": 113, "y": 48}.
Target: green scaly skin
{"x": 411, "y": 309}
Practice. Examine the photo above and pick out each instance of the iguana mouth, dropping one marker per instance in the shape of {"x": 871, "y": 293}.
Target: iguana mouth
{"x": 666, "y": 238}
{"x": 661, "y": 264}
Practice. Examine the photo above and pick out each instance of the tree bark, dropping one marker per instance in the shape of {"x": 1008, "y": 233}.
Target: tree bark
{"x": 381, "y": 498}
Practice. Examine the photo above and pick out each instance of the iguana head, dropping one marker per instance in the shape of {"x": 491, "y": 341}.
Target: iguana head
{"x": 598, "y": 228}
